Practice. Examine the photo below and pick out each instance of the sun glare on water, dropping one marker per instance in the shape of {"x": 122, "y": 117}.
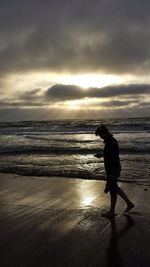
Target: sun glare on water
{"x": 88, "y": 200}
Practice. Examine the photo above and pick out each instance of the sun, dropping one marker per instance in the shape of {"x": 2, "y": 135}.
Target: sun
{"x": 90, "y": 80}
{"x": 73, "y": 104}
{"x": 44, "y": 80}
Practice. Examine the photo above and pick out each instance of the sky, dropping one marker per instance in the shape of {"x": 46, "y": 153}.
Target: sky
{"x": 74, "y": 59}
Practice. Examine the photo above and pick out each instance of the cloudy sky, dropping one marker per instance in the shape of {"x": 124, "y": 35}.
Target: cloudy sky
{"x": 74, "y": 59}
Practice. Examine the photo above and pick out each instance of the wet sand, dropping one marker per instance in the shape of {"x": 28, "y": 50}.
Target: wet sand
{"x": 58, "y": 222}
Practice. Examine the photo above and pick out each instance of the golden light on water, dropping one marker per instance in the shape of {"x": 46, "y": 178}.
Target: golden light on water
{"x": 87, "y": 200}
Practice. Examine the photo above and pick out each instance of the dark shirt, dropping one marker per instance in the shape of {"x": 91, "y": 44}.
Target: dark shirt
{"x": 111, "y": 155}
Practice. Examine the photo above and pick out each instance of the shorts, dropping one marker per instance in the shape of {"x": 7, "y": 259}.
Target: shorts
{"x": 111, "y": 184}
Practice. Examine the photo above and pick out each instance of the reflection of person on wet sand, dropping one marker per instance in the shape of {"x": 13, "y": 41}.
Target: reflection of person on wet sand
{"x": 112, "y": 168}
{"x": 113, "y": 254}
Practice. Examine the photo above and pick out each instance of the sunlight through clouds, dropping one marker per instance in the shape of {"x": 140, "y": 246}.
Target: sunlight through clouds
{"x": 92, "y": 80}
{"x": 68, "y": 53}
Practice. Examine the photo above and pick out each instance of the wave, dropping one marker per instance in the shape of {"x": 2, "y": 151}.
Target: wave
{"x": 58, "y": 140}
{"x": 77, "y": 175}
{"x": 66, "y": 151}
{"x": 74, "y": 126}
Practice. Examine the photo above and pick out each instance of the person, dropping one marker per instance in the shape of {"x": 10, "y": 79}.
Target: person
{"x": 112, "y": 169}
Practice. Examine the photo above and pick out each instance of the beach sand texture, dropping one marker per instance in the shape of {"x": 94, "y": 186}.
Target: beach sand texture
{"x": 58, "y": 222}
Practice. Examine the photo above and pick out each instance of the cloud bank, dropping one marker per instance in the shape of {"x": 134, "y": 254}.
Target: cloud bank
{"x": 68, "y": 92}
{"x": 68, "y": 101}
{"x": 82, "y": 36}
{"x": 75, "y": 36}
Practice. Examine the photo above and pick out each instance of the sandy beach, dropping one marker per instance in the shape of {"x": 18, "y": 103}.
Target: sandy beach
{"x": 58, "y": 222}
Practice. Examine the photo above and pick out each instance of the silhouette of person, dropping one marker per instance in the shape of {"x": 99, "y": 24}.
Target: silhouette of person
{"x": 112, "y": 168}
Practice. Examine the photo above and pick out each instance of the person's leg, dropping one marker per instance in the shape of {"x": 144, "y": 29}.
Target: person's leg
{"x": 122, "y": 194}
{"x": 112, "y": 187}
{"x": 113, "y": 197}
{"x": 113, "y": 200}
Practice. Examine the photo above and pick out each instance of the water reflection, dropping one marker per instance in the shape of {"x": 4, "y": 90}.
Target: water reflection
{"x": 89, "y": 193}
{"x": 87, "y": 200}
{"x": 113, "y": 257}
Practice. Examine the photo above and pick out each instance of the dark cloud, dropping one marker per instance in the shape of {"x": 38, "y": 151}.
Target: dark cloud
{"x": 70, "y": 92}
{"x": 64, "y": 92}
{"x": 29, "y": 98}
{"x": 17, "y": 114}
{"x": 30, "y": 95}
{"x": 116, "y": 103}
{"x": 59, "y": 94}
{"x": 129, "y": 101}
{"x": 120, "y": 95}
{"x": 78, "y": 36}
{"x": 10, "y": 104}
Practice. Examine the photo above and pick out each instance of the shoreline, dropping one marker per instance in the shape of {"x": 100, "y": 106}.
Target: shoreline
{"x": 58, "y": 222}
{"x": 131, "y": 181}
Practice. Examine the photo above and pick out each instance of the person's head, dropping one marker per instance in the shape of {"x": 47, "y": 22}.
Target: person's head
{"x": 102, "y": 131}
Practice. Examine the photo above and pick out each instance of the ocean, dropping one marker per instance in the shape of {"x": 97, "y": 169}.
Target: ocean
{"x": 66, "y": 148}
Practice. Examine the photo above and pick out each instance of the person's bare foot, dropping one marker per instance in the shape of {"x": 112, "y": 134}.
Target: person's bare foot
{"x": 129, "y": 207}
{"x": 108, "y": 214}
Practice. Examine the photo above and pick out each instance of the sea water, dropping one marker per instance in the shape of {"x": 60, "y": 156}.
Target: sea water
{"x": 67, "y": 147}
